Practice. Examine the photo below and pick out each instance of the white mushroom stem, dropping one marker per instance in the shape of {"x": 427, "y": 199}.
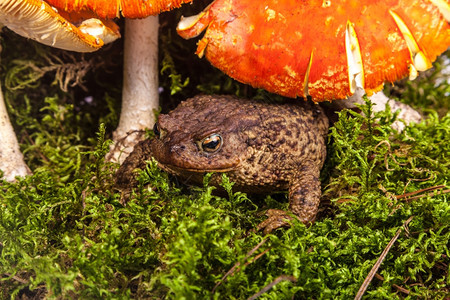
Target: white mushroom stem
{"x": 140, "y": 85}
{"x": 380, "y": 100}
{"x": 11, "y": 159}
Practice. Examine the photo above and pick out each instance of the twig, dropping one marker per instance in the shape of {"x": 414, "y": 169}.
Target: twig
{"x": 17, "y": 278}
{"x": 235, "y": 267}
{"x": 401, "y": 289}
{"x": 379, "y": 277}
{"x": 408, "y": 198}
{"x": 418, "y": 170}
{"x": 388, "y": 153}
{"x": 407, "y": 195}
{"x": 397, "y": 287}
{"x": 429, "y": 194}
{"x": 271, "y": 285}
{"x": 377, "y": 265}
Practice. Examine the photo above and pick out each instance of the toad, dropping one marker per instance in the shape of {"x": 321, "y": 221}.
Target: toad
{"x": 261, "y": 147}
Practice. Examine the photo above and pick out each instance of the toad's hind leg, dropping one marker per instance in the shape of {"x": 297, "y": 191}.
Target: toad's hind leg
{"x": 304, "y": 199}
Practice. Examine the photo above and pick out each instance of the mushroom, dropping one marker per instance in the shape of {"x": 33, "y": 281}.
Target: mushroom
{"x": 84, "y": 26}
{"x": 325, "y": 50}
{"x": 37, "y": 20}
{"x": 140, "y": 95}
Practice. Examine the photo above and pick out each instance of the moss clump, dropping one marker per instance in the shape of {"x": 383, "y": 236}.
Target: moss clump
{"x": 70, "y": 236}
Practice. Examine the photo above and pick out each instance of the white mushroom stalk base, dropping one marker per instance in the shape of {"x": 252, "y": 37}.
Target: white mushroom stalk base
{"x": 140, "y": 86}
{"x": 11, "y": 159}
{"x": 380, "y": 100}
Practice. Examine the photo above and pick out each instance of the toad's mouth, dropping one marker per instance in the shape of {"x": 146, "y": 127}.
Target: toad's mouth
{"x": 172, "y": 159}
{"x": 180, "y": 170}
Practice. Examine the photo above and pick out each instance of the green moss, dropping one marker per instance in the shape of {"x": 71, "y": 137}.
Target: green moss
{"x": 66, "y": 233}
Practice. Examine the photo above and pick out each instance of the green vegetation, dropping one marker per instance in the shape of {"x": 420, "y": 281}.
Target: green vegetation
{"x": 66, "y": 233}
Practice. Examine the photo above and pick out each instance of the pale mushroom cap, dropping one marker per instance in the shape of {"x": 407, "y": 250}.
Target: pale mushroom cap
{"x": 37, "y": 20}
{"x": 51, "y": 22}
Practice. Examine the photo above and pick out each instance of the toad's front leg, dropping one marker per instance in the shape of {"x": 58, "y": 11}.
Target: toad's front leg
{"x": 304, "y": 194}
{"x": 126, "y": 175}
{"x": 304, "y": 199}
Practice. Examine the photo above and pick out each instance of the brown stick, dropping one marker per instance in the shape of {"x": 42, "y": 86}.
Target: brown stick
{"x": 272, "y": 284}
{"x": 377, "y": 265}
{"x": 407, "y": 195}
{"x": 235, "y": 267}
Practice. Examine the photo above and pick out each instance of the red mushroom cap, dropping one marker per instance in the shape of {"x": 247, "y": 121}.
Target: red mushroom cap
{"x": 324, "y": 49}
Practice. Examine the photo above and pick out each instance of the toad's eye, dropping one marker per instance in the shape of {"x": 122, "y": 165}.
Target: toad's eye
{"x": 156, "y": 130}
{"x": 211, "y": 143}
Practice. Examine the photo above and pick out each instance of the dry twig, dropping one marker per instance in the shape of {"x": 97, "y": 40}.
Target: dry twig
{"x": 408, "y": 195}
{"x": 377, "y": 265}
{"x": 235, "y": 267}
{"x": 272, "y": 284}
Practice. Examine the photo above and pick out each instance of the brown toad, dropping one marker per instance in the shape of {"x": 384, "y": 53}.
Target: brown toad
{"x": 261, "y": 147}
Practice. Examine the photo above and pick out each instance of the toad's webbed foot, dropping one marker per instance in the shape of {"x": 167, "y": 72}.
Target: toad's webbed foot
{"x": 276, "y": 218}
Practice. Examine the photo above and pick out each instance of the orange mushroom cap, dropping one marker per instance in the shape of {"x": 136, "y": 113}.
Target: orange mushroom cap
{"x": 324, "y": 49}
{"x": 35, "y": 19}
{"x": 116, "y": 8}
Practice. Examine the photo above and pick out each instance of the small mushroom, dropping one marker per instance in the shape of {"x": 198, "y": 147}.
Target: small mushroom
{"x": 322, "y": 49}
